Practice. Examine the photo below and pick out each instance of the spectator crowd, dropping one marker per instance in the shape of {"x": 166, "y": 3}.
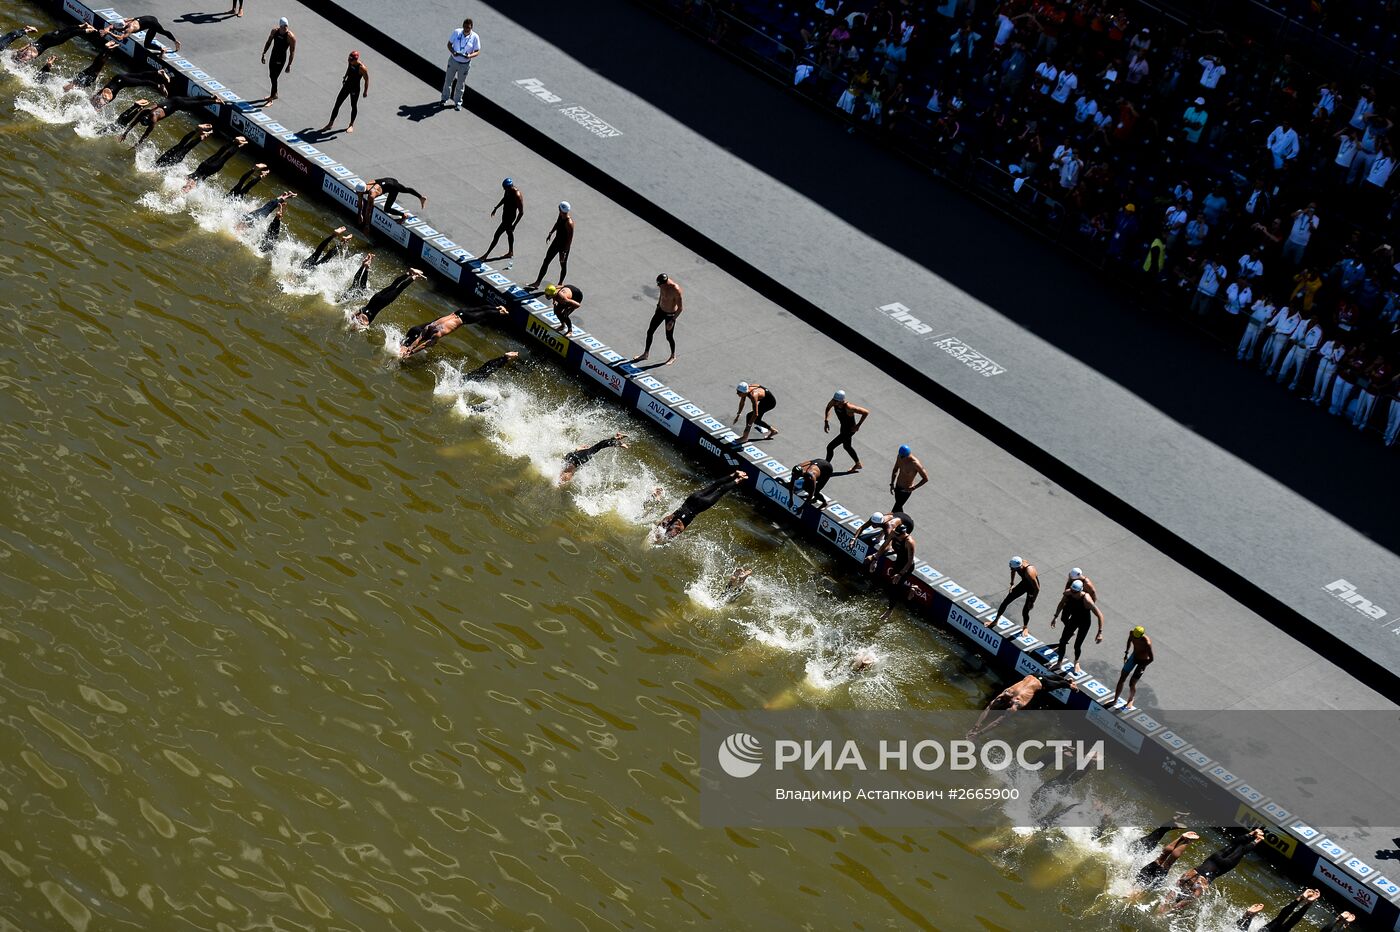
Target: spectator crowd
{"x": 1220, "y": 174}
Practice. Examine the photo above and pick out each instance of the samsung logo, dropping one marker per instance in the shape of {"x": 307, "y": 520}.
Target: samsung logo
{"x": 985, "y": 637}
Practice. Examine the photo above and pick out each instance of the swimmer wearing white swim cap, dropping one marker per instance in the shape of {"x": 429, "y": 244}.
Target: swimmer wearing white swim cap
{"x": 849, "y": 419}
{"x": 763, "y": 401}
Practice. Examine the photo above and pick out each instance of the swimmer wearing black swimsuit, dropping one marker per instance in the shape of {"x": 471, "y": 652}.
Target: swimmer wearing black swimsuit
{"x": 50, "y": 40}
{"x": 177, "y": 152}
{"x": 151, "y": 26}
{"x": 1223, "y": 861}
{"x": 333, "y": 245}
{"x": 902, "y": 547}
{"x": 697, "y": 503}
{"x": 802, "y": 482}
{"x": 88, "y": 76}
{"x": 355, "y": 72}
{"x": 574, "y": 459}
{"x": 387, "y": 296}
{"x": 14, "y": 35}
{"x": 249, "y": 180}
{"x": 360, "y": 280}
{"x": 215, "y": 162}
{"x": 391, "y": 188}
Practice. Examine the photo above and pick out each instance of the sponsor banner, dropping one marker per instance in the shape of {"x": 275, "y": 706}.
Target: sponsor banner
{"x": 1117, "y": 729}
{"x": 842, "y": 538}
{"x": 773, "y": 489}
{"x": 1026, "y": 665}
{"x": 440, "y": 261}
{"x": 660, "y": 413}
{"x": 918, "y": 592}
{"x": 340, "y": 190}
{"x": 602, "y": 373}
{"x": 986, "y": 638}
{"x": 76, "y": 10}
{"x": 246, "y": 127}
{"x": 390, "y": 227}
{"x": 1360, "y": 895}
{"x": 545, "y": 334}
{"x": 1275, "y": 837}
{"x": 711, "y": 447}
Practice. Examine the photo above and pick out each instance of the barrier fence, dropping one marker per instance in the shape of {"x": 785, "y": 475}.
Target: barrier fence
{"x": 1301, "y": 850}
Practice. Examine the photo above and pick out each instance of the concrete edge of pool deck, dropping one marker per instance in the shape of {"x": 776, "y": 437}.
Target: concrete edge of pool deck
{"x": 946, "y": 602}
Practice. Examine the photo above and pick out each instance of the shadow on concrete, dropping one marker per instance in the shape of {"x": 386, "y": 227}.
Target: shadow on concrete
{"x": 204, "y": 19}
{"x": 420, "y": 112}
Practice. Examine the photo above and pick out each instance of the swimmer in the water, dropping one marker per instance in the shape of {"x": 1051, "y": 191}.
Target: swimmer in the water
{"x": 576, "y": 458}
{"x": 736, "y": 582}
{"x": 149, "y": 25}
{"x": 14, "y": 35}
{"x": 1017, "y": 696}
{"x": 164, "y": 108}
{"x": 1195, "y": 881}
{"x": 1291, "y": 914}
{"x": 425, "y": 336}
{"x": 249, "y": 180}
{"x": 387, "y": 296}
{"x": 360, "y": 280}
{"x": 128, "y": 116}
{"x": 176, "y": 153}
{"x": 88, "y": 76}
{"x": 46, "y": 70}
{"x": 274, "y": 229}
{"x": 864, "y": 659}
{"x": 157, "y": 79}
{"x": 697, "y": 503}
{"x": 214, "y": 163}
{"x": 484, "y": 370}
{"x": 1153, "y": 874}
{"x": 267, "y": 209}
{"x": 1187, "y": 889}
{"x": 337, "y": 243}
{"x": 50, "y": 40}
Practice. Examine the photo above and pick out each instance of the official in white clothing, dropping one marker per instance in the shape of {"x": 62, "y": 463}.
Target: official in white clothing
{"x": 1281, "y": 330}
{"x": 462, "y": 46}
{"x": 1331, "y": 353}
{"x": 1259, "y": 316}
{"x": 1307, "y": 337}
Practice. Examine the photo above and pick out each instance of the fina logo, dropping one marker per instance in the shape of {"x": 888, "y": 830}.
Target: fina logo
{"x": 1341, "y": 589}
{"x": 741, "y": 755}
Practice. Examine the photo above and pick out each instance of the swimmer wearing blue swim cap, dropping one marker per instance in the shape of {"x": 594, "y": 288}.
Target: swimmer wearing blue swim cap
{"x": 907, "y": 476}
{"x": 512, "y": 207}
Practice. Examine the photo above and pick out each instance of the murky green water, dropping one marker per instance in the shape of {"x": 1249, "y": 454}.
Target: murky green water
{"x": 292, "y": 638}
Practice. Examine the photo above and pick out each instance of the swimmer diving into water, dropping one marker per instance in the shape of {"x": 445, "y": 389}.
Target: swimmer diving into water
{"x": 424, "y": 336}
{"x": 574, "y": 459}
{"x": 176, "y": 153}
{"x": 88, "y": 76}
{"x": 360, "y": 280}
{"x": 1017, "y": 696}
{"x": 333, "y": 245}
{"x": 157, "y": 79}
{"x": 153, "y": 115}
{"x": 249, "y": 180}
{"x": 696, "y": 504}
{"x": 387, "y": 296}
{"x": 214, "y": 163}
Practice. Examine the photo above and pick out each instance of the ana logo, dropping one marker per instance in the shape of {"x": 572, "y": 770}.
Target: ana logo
{"x": 740, "y": 755}
{"x": 1341, "y": 589}
{"x": 534, "y": 87}
{"x": 659, "y": 413}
